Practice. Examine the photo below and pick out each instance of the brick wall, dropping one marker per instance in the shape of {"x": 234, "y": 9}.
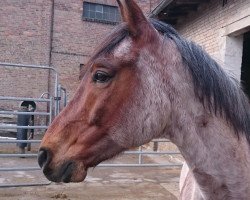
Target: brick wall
{"x": 25, "y": 27}
{"x": 75, "y": 39}
{"x": 24, "y": 31}
{"x": 205, "y": 26}
{"x": 25, "y": 37}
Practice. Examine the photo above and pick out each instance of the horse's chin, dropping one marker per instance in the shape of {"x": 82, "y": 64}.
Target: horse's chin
{"x": 77, "y": 177}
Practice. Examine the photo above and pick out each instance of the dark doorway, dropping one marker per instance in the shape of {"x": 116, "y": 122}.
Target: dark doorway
{"x": 245, "y": 68}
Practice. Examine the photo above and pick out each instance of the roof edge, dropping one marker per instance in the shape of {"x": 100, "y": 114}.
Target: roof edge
{"x": 160, "y": 7}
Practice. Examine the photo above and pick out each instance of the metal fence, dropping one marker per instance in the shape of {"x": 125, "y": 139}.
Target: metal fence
{"x": 142, "y": 153}
{"x": 50, "y": 101}
{"x": 57, "y": 87}
{"x": 53, "y": 102}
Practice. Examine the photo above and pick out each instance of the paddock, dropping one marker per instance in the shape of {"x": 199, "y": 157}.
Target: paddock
{"x": 102, "y": 183}
{"x": 149, "y": 172}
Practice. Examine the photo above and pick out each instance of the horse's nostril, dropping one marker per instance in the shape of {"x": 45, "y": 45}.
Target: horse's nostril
{"x": 43, "y": 157}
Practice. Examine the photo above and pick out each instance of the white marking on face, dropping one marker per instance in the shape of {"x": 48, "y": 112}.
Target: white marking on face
{"x": 123, "y": 48}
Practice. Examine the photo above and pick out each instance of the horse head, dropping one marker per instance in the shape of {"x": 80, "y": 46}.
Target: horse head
{"x": 118, "y": 104}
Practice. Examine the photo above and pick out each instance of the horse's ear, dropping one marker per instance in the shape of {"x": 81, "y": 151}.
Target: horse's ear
{"x": 133, "y": 16}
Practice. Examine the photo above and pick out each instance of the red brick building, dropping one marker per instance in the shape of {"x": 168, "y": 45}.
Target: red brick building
{"x": 63, "y": 34}
{"x": 57, "y": 33}
{"x": 221, "y": 27}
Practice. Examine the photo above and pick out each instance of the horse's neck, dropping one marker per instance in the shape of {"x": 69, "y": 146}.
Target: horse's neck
{"x": 219, "y": 161}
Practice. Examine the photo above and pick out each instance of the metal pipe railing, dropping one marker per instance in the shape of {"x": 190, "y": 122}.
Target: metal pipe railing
{"x": 23, "y": 99}
{"x": 24, "y": 185}
{"x": 11, "y": 169}
{"x": 151, "y": 152}
{"x": 40, "y": 67}
{"x": 24, "y": 127}
{"x": 23, "y": 113}
{"x": 8, "y": 155}
{"x": 140, "y": 165}
{"x": 49, "y": 100}
{"x": 19, "y": 141}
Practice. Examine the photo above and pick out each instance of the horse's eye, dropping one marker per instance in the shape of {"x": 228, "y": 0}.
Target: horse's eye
{"x": 101, "y": 77}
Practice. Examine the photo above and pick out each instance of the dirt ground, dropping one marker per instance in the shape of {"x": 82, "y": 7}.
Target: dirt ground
{"x": 102, "y": 183}
{"x": 106, "y": 184}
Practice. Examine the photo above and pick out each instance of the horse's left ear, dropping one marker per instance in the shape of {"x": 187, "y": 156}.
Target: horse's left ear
{"x": 133, "y": 16}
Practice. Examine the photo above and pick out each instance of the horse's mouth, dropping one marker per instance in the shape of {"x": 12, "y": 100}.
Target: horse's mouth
{"x": 68, "y": 172}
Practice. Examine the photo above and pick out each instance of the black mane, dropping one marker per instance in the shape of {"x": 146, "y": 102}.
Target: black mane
{"x": 219, "y": 92}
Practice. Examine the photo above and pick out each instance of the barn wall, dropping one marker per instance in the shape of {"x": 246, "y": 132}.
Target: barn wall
{"x": 218, "y": 29}
{"x": 24, "y": 38}
{"x": 30, "y": 33}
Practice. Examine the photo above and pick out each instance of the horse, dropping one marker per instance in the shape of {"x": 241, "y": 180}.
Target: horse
{"x": 145, "y": 81}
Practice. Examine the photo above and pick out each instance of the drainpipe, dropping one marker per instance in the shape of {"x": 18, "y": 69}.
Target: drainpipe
{"x": 52, "y": 12}
{"x": 51, "y": 38}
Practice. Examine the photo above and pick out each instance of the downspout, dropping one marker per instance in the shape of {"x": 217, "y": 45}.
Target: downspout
{"x": 50, "y": 47}
{"x": 51, "y": 39}
{"x": 51, "y": 30}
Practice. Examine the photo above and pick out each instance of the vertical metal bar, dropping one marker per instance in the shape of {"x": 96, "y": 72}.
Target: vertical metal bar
{"x": 155, "y": 147}
{"x": 38, "y": 67}
{"x": 50, "y": 110}
{"x": 56, "y": 95}
{"x": 140, "y": 155}
{"x": 64, "y": 96}
{"x": 49, "y": 101}
{"x": 65, "y": 99}
{"x": 59, "y": 97}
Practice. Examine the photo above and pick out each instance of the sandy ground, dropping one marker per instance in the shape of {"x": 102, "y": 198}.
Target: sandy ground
{"x": 102, "y": 183}
{"x": 106, "y": 184}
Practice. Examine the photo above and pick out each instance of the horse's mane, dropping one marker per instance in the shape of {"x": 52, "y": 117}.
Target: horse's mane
{"x": 216, "y": 89}
{"x": 219, "y": 92}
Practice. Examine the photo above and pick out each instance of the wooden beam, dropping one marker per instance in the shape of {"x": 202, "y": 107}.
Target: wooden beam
{"x": 177, "y": 14}
{"x": 185, "y": 7}
{"x": 179, "y": 2}
{"x": 178, "y": 9}
{"x": 168, "y": 16}
{"x": 171, "y": 21}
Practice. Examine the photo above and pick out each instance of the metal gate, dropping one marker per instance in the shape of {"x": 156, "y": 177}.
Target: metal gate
{"x": 53, "y": 102}
{"x": 142, "y": 153}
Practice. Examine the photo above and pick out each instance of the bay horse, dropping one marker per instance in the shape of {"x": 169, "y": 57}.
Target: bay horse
{"x": 145, "y": 81}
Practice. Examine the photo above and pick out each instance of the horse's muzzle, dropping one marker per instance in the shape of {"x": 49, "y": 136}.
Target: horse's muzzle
{"x": 66, "y": 172}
